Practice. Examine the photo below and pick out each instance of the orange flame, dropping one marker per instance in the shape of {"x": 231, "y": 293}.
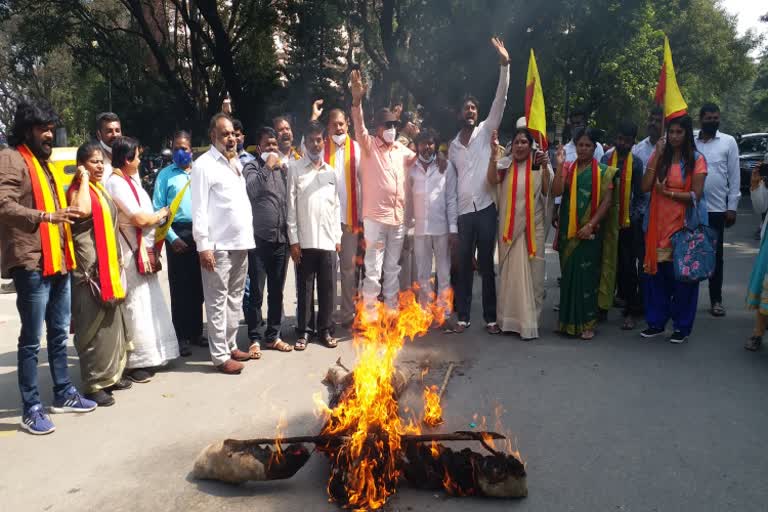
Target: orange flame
{"x": 371, "y": 415}
{"x": 433, "y": 412}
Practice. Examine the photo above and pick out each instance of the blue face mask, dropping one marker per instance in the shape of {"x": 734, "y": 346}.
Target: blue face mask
{"x": 240, "y": 147}
{"x": 182, "y": 158}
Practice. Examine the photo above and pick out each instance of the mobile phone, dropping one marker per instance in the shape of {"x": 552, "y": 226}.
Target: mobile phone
{"x": 534, "y": 165}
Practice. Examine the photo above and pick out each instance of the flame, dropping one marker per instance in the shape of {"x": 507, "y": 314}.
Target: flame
{"x": 277, "y": 456}
{"x": 370, "y": 416}
{"x": 434, "y": 450}
{"x": 433, "y": 412}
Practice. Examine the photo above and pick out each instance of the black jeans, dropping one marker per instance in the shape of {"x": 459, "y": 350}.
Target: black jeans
{"x": 186, "y": 284}
{"x": 717, "y": 222}
{"x": 631, "y": 255}
{"x": 477, "y": 230}
{"x": 320, "y": 265}
{"x": 267, "y": 265}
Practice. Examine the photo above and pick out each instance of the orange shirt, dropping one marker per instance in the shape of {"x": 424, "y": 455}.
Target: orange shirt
{"x": 672, "y": 213}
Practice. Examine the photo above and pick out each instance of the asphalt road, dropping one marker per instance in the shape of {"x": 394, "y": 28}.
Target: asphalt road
{"x": 616, "y": 424}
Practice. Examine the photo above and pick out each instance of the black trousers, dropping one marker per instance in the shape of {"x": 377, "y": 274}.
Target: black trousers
{"x": 316, "y": 265}
{"x": 477, "y": 230}
{"x": 267, "y": 266}
{"x": 630, "y": 264}
{"x": 186, "y": 285}
{"x": 717, "y": 222}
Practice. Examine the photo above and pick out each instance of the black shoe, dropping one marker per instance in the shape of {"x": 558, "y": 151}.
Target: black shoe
{"x": 120, "y": 385}
{"x": 602, "y": 315}
{"x": 678, "y": 337}
{"x": 101, "y": 397}
{"x": 200, "y": 341}
{"x": 184, "y": 348}
{"x": 139, "y": 375}
{"x": 651, "y": 332}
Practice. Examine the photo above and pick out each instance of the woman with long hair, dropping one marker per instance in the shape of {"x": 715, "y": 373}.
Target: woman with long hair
{"x": 586, "y": 187}
{"x": 102, "y": 334}
{"x": 522, "y": 177}
{"x": 154, "y": 338}
{"x": 675, "y": 178}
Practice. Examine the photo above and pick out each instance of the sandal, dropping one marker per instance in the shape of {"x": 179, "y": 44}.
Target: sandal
{"x": 717, "y": 310}
{"x": 300, "y": 344}
{"x": 279, "y": 345}
{"x": 587, "y": 335}
{"x": 628, "y": 324}
{"x": 329, "y": 341}
{"x": 493, "y": 328}
{"x": 255, "y": 350}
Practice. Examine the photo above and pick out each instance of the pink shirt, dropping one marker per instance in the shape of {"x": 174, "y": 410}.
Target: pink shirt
{"x": 382, "y": 174}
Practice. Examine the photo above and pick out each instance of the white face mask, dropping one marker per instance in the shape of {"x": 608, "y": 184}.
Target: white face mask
{"x": 265, "y": 156}
{"x": 105, "y": 147}
{"x": 314, "y": 156}
{"x": 339, "y": 139}
{"x": 427, "y": 160}
{"x": 389, "y": 135}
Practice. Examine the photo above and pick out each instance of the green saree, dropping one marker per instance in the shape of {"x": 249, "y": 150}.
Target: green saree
{"x": 581, "y": 260}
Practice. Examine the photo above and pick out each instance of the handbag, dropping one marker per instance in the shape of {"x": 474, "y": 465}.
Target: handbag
{"x": 694, "y": 246}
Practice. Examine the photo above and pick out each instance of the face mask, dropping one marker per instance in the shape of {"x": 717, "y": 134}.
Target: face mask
{"x": 339, "y": 139}
{"x": 105, "y": 147}
{"x": 313, "y": 156}
{"x": 265, "y": 155}
{"x": 710, "y": 127}
{"x": 182, "y": 158}
{"x": 389, "y": 135}
{"x": 240, "y": 147}
{"x": 427, "y": 160}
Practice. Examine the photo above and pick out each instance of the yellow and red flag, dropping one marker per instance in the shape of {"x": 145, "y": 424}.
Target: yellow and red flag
{"x": 535, "y": 114}
{"x": 668, "y": 94}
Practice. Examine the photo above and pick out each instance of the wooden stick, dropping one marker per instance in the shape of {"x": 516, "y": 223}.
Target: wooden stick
{"x": 445, "y": 380}
{"x": 410, "y": 438}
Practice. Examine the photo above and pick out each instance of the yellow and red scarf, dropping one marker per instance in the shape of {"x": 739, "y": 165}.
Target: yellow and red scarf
{"x": 573, "y": 197}
{"x": 350, "y": 175}
{"x": 509, "y": 224}
{"x": 54, "y": 262}
{"x": 625, "y": 186}
{"x": 107, "y": 255}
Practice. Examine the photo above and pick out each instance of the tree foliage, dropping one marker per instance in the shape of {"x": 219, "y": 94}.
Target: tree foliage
{"x": 169, "y": 63}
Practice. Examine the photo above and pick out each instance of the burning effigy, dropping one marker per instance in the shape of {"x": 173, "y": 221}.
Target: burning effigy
{"x": 371, "y": 448}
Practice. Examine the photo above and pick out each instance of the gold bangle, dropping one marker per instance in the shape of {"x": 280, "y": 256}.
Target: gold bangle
{"x": 651, "y": 169}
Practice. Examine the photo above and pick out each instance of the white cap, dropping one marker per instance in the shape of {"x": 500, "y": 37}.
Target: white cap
{"x": 521, "y": 123}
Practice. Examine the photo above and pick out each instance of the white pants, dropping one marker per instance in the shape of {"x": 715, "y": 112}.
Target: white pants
{"x": 425, "y": 248}
{"x": 223, "y": 290}
{"x": 383, "y": 244}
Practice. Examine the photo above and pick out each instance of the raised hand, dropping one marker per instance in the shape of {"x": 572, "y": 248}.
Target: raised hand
{"x": 317, "y": 109}
{"x": 501, "y": 50}
{"x": 560, "y": 155}
{"x": 356, "y": 86}
{"x": 494, "y": 140}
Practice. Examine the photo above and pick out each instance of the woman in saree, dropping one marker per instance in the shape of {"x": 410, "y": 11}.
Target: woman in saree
{"x": 586, "y": 187}
{"x": 154, "y": 338}
{"x": 757, "y": 291}
{"x": 523, "y": 178}
{"x": 675, "y": 177}
{"x": 102, "y": 336}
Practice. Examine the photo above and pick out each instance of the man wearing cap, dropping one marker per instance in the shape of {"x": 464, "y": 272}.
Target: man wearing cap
{"x": 383, "y": 165}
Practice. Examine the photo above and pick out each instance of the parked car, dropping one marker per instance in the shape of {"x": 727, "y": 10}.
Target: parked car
{"x": 752, "y": 149}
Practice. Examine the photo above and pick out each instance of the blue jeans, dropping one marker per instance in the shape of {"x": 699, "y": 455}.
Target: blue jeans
{"x": 665, "y": 298}
{"x": 42, "y": 300}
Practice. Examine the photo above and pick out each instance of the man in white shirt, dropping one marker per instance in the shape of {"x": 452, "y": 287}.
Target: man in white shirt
{"x": 287, "y": 151}
{"x": 314, "y": 233}
{"x": 345, "y": 162}
{"x": 108, "y": 128}
{"x": 470, "y": 152}
{"x": 223, "y": 232}
{"x": 432, "y": 212}
{"x": 644, "y": 149}
{"x": 721, "y": 190}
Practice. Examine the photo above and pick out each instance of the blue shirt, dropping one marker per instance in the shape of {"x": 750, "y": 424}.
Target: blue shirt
{"x": 168, "y": 184}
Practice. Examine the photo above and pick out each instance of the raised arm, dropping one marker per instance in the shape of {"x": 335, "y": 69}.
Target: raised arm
{"x": 492, "y": 174}
{"x": 493, "y": 120}
{"x": 81, "y": 198}
{"x": 358, "y": 91}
